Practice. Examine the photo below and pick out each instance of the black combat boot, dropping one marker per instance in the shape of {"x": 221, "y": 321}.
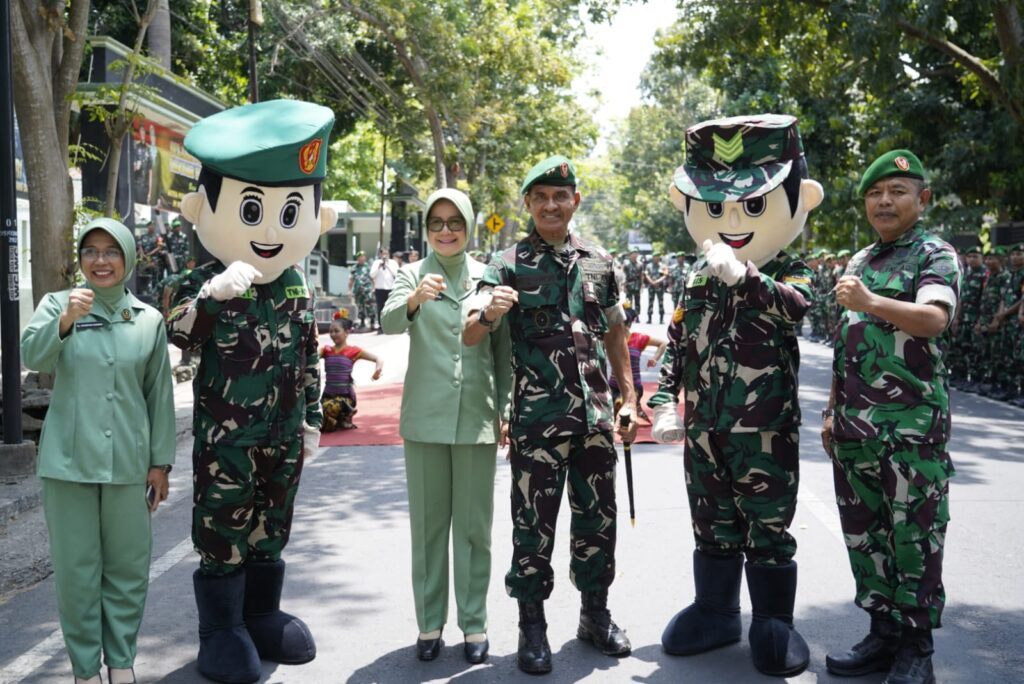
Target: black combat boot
{"x": 913, "y": 663}
{"x": 226, "y": 651}
{"x": 534, "y": 656}
{"x": 776, "y": 647}
{"x": 597, "y": 626}
{"x": 713, "y": 619}
{"x": 279, "y": 637}
{"x": 873, "y": 653}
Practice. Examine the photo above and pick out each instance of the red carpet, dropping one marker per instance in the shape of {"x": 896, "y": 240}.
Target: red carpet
{"x": 377, "y": 419}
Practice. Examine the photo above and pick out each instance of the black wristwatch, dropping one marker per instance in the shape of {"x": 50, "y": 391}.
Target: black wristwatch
{"x": 483, "y": 319}
{"x": 828, "y": 413}
{"x": 165, "y": 468}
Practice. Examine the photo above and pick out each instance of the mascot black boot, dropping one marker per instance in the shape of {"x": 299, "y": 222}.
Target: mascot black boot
{"x": 775, "y": 646}
{"x": 597, "y": 626}
{"x": 226, "y": 651}
{"x": 279, "y": 637}
{"x": 873, "y": 653}
{"x": 713, "y": 619}
{"x": 534, "y": 656}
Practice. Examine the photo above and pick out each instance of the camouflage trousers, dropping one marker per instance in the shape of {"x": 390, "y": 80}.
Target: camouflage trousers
{"x": 633, "y": 297}
{"x": 655, "y": 296}
{"x": 742, "y": 490}
{"x": 894, "y": 506}
{"x": 366, "y": 305}
{"x": 1006, "y": 370}
{"x": 242, "y": 502}
{"x": 962, "y": 358}
{"x": 539, "y": 470}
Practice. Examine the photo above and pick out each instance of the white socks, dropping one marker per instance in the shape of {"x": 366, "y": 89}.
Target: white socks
{"x": 121, "y": 676}
{"x": 424, "y": 636}
{"x": 476, "y": 638}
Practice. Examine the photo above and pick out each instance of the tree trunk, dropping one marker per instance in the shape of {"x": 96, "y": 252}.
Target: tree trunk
{"x": 159, "y": 38}
{"x": 47, "y": 59}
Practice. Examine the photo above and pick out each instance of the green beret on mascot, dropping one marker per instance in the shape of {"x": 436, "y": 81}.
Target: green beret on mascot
{"x": 249, "y": 316}
{"x": 745, "y": 195}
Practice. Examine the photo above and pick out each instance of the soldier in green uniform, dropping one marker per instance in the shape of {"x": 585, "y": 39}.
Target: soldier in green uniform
{"x": 678, "y": 273}
{"x": 362, "y": 291}
{"x": 150, "y": 270}
{"x": 963, "y": 357}
{"x": 829, "y": 310}
{"x": 814, "y": 314}
{"x": 745, "y": 195}
{"x": 249, "y": 315}
{"x": 887, "y": 423}
{"x": 177, "y": 245}
{"x": 565, "y": 319}
{"x": 987, "y": 327}
{"x": 657, "y": 280}
{"x": 1005, "y": 372}
{"x": 634, "y": 272}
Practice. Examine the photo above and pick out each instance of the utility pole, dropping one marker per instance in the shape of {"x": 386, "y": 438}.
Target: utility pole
{"x": 16, "y": 457}
{"x": 383, "y": 191}
{"x": 255, "y": 21}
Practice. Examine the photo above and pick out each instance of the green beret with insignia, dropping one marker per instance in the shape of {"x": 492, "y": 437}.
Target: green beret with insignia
{"x": 556, "y": 170}
{"x": 1019, "y": 247}
{"x": 273, "y": 143}
{"x": 893, "y": 163}
{"x": 360, "y": 253}
{"x": 613, "y": 250}
{"x": 974, "y": 249}
{"x": 738, "y": 158}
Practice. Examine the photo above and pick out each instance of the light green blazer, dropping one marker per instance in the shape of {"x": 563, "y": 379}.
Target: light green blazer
{"x": 111, "y": 415}
{"x": 453, "y": 394}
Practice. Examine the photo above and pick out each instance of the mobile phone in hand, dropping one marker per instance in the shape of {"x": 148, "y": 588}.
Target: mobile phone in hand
{"x": 150, "y": 496}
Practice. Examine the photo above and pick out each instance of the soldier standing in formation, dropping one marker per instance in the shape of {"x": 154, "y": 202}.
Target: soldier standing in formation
{"x": 815, "y": 314}
{"x": 964, "y": 356}
{"x": 678, "y": 272}
{"x": 362, "y": 290}
{"x": 562, "y": 301}
{"x": 177, "y": 246}
{"x": 987, "y": 328}
{"x": 657, "y": 280}
{"x": 634, "y": 272}
{"x": 1005, "y": 372}
{"x": 887, "y": 424}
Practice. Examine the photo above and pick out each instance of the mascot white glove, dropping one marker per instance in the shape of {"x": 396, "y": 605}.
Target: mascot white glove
{"x": 235, "y": 280}
{"x": 723, "y": 264}
{"x": 310, "y": 441}
{"x": 666, "y": 425}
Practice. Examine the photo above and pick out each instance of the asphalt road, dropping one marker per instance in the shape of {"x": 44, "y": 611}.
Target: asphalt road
{"x": 348, "y": 571}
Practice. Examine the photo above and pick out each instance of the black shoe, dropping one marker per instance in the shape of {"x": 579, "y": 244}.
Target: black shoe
{"x": 713, "y": 619}
{"x": 913, "y": 663}
{"x": 428, "y": 649}
{"x": 874, "y": 653}
{"x": 279, "y": 637}
{"x": 776, "y": 648}
{"x": 597, "y": 626}
{"x": 534, "y": 655}
{"x": 226, "y": 651}
{"x": 476, "y": 651}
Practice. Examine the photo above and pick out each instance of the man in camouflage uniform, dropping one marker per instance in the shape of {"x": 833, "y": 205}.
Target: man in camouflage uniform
{"x": 249, "y": 316}
{"x": 987, "y": 327}
{"x": 362, "y": 291}
{"x": 963, "y": 357}
{"x": 151, "y": 262}
{"x": 657, "y": 280}
{"x": 887, "y": 423}
{"x": 634, "y": 272}
{"x": 814, "y": 314}
{"x": 177, "y": 245}
{"x": 563, "y": 305}
{"x": 1006, "y": 373}
{"x": 745, "y": 195}
{"x": 678, "y": 272}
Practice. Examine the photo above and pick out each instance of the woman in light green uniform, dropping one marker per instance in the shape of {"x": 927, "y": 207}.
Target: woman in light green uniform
{"x": 108, "y": 434}
{"x": 452, "y": 404}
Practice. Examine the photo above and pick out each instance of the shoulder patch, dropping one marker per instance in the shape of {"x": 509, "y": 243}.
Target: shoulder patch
{"x": 799, "y": 280}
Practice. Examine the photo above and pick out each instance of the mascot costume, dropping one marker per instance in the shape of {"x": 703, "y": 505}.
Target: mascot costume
{"x": 249, "y": 315}
{"x": 745, "y": 195}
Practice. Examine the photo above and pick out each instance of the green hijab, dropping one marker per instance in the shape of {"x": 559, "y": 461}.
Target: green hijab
{"x": 111, "y": 296}
{"x": 455, "y": 264}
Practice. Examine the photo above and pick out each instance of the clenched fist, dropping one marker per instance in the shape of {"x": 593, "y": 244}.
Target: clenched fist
{"x": 236, "y": 279}
{"x": 723, "y": 264}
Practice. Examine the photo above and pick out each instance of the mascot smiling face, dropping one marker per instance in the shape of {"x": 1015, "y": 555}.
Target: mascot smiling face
{"x": 744, "y": 184}
{"x": 260, "y": 186}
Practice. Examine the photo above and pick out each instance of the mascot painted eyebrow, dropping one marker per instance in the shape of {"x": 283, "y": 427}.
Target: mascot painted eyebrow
{"x": 249, "y": 314}
{"x": 745, "y": 195}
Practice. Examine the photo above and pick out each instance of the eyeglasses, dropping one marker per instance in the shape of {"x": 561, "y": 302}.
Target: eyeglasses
{"x": 456, "y": 224}
{"x": 92, "y": 254}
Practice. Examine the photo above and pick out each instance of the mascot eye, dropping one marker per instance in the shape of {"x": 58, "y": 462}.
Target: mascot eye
{"x": 715, "y": 209}
{"x": 754, "y": 206}
{"x": 290, "y": 214}
{"x": 251, "y": 211}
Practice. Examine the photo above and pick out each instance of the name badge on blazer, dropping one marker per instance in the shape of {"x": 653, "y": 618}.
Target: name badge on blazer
{"x": 89, "y": 325}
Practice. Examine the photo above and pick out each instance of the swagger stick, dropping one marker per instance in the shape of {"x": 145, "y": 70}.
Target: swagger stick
{"x": 627, "y": 452}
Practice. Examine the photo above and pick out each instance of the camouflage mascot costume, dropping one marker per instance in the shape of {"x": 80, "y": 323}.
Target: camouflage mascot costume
{"x": 249, "y": 315}
{"x": 745, "y": 195}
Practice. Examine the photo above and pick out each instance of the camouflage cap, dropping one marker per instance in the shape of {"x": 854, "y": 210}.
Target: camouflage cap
{"x": 892, "y": 163}
{"x": 274, "y": 143}
{"x": 733, "y": 159}
{"x": 556, "y": 170}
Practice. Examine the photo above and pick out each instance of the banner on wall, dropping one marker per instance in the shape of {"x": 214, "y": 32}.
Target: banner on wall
{"x": 20, "y": 178}
{"x": 162, "y": 171}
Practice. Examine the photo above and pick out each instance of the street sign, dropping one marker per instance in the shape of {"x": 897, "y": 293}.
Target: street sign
{"x": 495, "y": 223}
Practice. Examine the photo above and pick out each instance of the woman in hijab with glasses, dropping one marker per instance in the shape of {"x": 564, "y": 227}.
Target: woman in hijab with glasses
{"x": 106, "y": 448}
{"x": 454, "y": 401}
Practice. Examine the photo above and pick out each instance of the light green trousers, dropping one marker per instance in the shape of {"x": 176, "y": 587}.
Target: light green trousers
{"x": 451, "y": 486}
{"x": 100, "y": 543}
